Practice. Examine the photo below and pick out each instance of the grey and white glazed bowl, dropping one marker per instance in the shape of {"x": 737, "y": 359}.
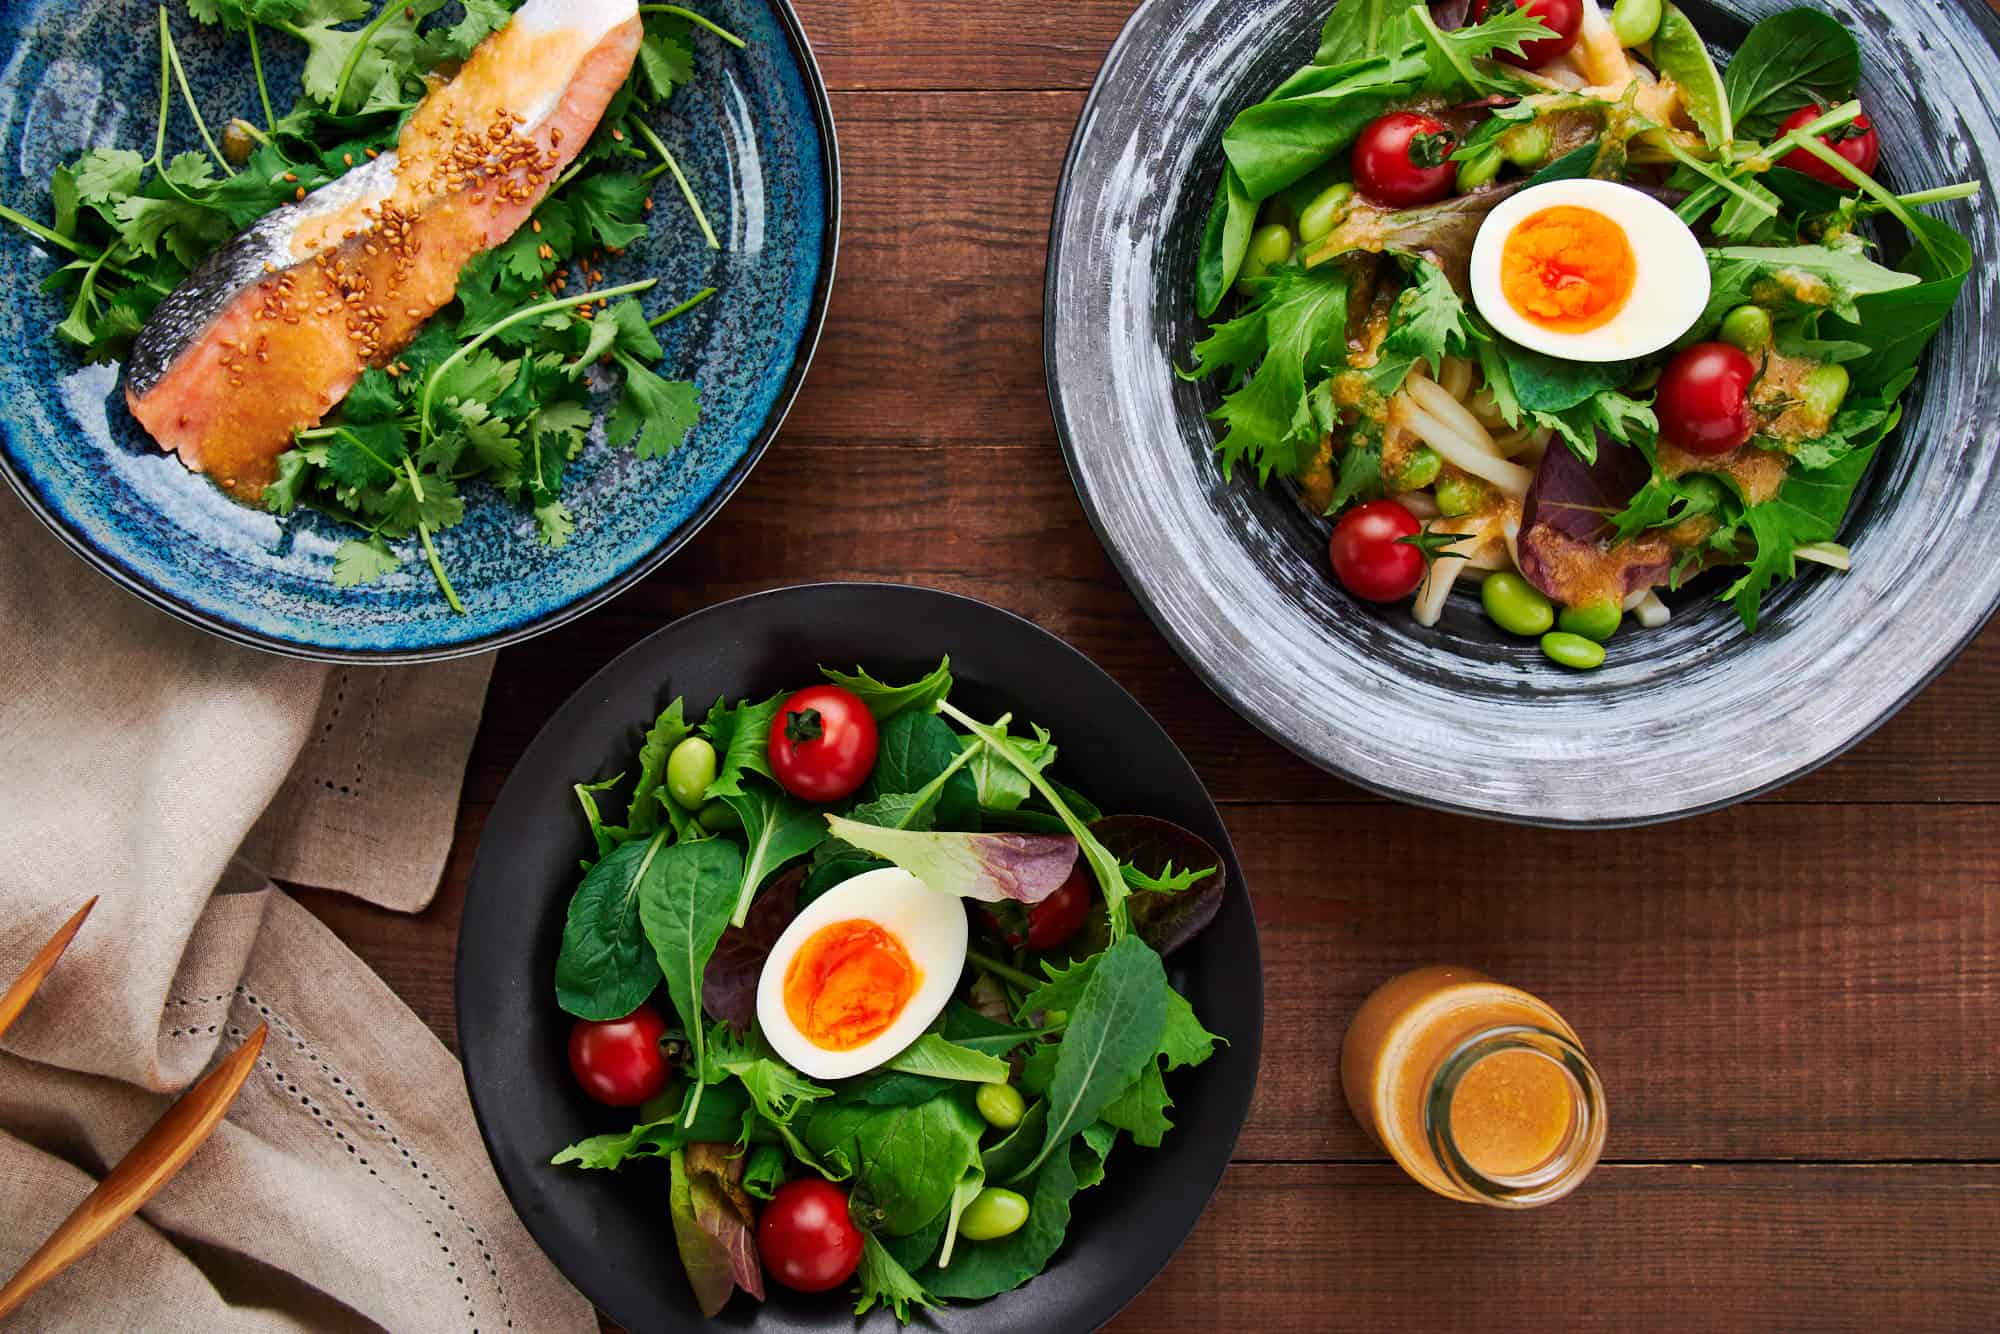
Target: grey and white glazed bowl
{"x": 1458, "y": 717}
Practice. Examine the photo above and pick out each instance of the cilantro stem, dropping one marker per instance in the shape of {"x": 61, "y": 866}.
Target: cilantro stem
{"x": 424, "y": 533}
{"x": 389, "y": 11}
{"x": 257, "y": 64}
{"x": 501, "y": 326}
{"x": 682, "y": 309}
{"x": 698, "y": 21}
{"x": 166, "y": 91}
{"x": 81, "y": 251}
{"x": 687, "y": 191}
{"x": 1005, "y": 972}
{"x": 187, "y": 94}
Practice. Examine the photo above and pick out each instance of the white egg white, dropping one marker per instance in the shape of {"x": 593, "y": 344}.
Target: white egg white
{"x": 1670, "y": 282}
{"x": 932, "y": 929}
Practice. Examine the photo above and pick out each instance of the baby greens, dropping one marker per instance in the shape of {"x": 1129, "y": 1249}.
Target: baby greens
{"x": 1087, "y": 1035}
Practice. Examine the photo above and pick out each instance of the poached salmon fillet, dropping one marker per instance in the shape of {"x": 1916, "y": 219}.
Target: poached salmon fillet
{"x": 272, "y": 330}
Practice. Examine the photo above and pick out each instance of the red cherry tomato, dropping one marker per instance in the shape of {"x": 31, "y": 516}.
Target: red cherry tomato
{"x": 1404, "y": 159}
{"x": 1052, "y": 921}
{"x": 1854, "y": 141}
{"x": 1368, "y": 557}
{"x": 1704, "y": 399}
{"x": 806, "y": 1238}
{"x": 620, "y": 1062}
{"x": 823, "y": 743}
{"x": 1562, "y": 17}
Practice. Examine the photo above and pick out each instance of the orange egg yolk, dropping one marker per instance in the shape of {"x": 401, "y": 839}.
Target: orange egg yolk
{"x": 847, "y": 983}
{"x": 1566, "y": 268}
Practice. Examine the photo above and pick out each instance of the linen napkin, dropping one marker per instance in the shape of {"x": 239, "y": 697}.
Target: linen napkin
{"x": 177, "y": 775}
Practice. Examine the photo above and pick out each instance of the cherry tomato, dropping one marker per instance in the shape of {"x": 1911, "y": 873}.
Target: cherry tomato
{"x": 823, "y": 743}
{"x": 1704, "y": 398}
{"x": 806, "y": 1238}
{"x": 1562, "y": 17}
{"x": 1372, "y": 564}
{"x": 620, "y": 1062}
{"x": 1404, "y": 159}
{"x": 1052, "y": 921}
{"x": 1854, "y": 141}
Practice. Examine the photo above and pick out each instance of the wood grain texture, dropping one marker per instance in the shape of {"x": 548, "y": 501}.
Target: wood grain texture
{"x": 1773, "y": 993}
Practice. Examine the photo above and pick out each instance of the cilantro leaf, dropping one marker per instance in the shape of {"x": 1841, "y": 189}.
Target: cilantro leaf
{"x": 554, "y": 523}
{"x": 665, "y": 60}
{"x": 653, "y": 415}
{"x": 610, "y": 208}
{"x": 105, "y": 174}
{"x": 363, "y": 561}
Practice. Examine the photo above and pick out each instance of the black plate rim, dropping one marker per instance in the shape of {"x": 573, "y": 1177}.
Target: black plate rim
{"x": 1250, "y": 1042}
{"x": 1218, "y": 685}
{"x": 781, "y": 407}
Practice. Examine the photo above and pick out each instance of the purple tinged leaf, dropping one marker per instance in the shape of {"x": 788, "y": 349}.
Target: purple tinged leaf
{"x": 1451, "y": 15}
{"x": 714, "y": 1224}
{"x": 729, "y": 983}
{"x": 1026, "y": 868}
{"x": 1566, "y": 523}
{"x": 1166, "y": 921}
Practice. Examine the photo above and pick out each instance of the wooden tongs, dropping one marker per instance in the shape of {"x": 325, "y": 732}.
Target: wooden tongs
{"x": 149, "y": 1165}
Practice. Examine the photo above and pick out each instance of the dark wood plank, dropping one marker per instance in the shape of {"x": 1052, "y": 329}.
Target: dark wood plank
{"x": 938, "y": 44}
{"x": 1825, "y": 1250}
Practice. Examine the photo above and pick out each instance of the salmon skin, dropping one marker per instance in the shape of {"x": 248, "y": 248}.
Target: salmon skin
{"x": 270, "y": 332}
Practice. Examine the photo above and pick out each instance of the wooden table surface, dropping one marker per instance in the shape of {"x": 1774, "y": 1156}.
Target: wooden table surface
{"x": 1795, "y": 1004}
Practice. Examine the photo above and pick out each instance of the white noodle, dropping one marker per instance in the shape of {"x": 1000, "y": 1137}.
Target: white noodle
{"x": 1443, "y": 404}
{"x": 1435, "y": 588}
{"x": 1651, "y": 612}
{"x": 1486, "y": 409}
{"x": 1632, "y": 600}
{"x": 1463, "y": 453}
{"x": 1420, "y": 503}
{"x": 1456, "y": 377}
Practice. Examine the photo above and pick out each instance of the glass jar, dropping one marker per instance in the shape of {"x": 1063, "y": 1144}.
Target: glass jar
{"x": 1479, "y": 1090}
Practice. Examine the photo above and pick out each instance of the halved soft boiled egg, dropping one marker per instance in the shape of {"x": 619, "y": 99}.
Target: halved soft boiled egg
{"x": 1588, "y": 270}
{"x": 861, "y": 972}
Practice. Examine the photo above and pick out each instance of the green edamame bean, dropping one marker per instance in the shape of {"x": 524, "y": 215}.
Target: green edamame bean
{"x": 719, "y": 817}
{"x": 1328, "y": 207}
{"x": 1001, "y": 1105}
{"x": 1479, "y": 169}
{"x": 1525, "y": 146}
{"x": 1573, "y": 650}
{"x": 1596, "y": 620}
{"x": 1458, "y": 495}
{"x": 994, "y": 1213}
{"x": 1635, "y": 21}
{"x": 690, "y": 769}
{"x": 1824, "y": 390}
{"x": 1747, "y": 328}
{"x": 1270, "y": 244}
{"x": 1421, "y": 468}
{"x": 1515, "y": 605}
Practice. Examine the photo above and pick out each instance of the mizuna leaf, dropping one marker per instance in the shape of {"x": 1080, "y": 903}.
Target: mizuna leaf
{"x": 885, "y": 701}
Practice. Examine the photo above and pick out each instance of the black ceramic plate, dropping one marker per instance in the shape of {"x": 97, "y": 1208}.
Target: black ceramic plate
{"x": 609, "y": 1232}
{"x": 1681, "y": 719}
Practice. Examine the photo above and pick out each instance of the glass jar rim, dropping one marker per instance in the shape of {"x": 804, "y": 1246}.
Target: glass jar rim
{"x": 1566, "y": 1168}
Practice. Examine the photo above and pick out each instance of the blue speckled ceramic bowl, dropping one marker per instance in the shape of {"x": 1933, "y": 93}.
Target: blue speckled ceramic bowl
{"x": 754, "y": 133}
{"x": 1458, "y": 716}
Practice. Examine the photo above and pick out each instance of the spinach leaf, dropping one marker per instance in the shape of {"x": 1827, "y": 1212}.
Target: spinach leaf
{"x": 1113, "y": 1030}
{"x": 605, "y": 836}
{"x": 938, "y": 1057}
{"x": 606, "y": 968}
{"x": 907, "y": 1160}
{"x": 741, "y": 737}
{"x": 988, "y": 867}
{"x": 1795, "y": 278}
{"x": 913, "y": 1251}
{"x": 1142, "y": 1108}
{"x": 1790, "y": 60}
{"x": 1573, "y": 165}
{"x": 842, "y": 862}
{"x": 913, "y": 751}
{"x": 1314, "y": 115}
{"x": 1899, "y": 323}
{"x": 777, "y": 827}
{"x": 887, "y": 1088}
{"x": 1552, "y": 384}
{"x": 1006, "y": 1158}
{"x": 1224, "y": 242}
{"x": 886, "y": 701}
{"x": 642, "y": 817}
{"x": 884, "y": 1280}
{"x": 1358, "y": 28}
{"x": 987, "y": 1268}
{"x": 684, "y": 904}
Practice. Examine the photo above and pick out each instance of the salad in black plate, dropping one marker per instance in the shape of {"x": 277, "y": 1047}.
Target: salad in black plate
{"x": 1538, "y": 295}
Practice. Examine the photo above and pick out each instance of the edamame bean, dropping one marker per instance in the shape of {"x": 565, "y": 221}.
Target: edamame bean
{"x": 1458, "y": 495}
{"x": 1479, "y": 169}
{"x": 1824, "y": 390}
{"x": 1328, "y": 207}
{"x": 690, "y": 769}
{"x": 1270, "y": 244}
{"x": 1595, "y": 620}
{"x": 1419, "y": 469}
{"x": 1515, "y": 605}
{"x": 1001, "y": 1104}
{"x": 1572, "y": 650}
{"x": 1747, "y": 328}
{"x": 1525, "y": 145}
{"x": 719, "y": 817}
{"x": 1635, "y": 21}
{"x": 994, "y": 1213}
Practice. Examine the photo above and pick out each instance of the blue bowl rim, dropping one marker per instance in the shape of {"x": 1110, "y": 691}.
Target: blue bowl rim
{"x": 1217, "y": 685}
{"x": 111, "y": 568}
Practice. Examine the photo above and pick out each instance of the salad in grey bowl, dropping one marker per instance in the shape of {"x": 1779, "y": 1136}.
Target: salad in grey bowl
{"x": 1406, "y": 359}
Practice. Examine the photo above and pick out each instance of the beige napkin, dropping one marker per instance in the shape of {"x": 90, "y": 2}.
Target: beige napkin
{"x": 176, "y": 776}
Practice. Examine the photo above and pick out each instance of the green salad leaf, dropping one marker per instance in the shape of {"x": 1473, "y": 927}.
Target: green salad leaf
{"x": 906, "y": 1161}
{"x": 777, "y": 828}
{"x": 886, "y": 1283}
{"x": 1801, "y": 57}
{"x": 606, "y": 967}
{"x": 886, "y": 701}
{"x": 684, "y": 905}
